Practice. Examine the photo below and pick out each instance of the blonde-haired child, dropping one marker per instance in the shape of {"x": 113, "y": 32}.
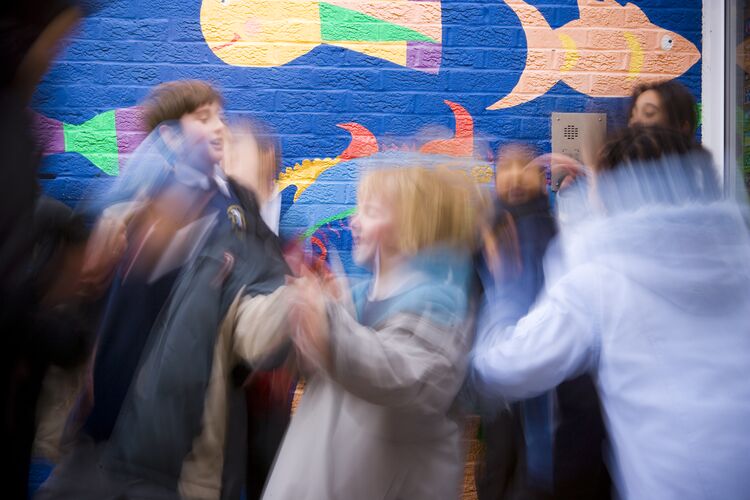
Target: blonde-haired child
{"x": 378, "y": 419}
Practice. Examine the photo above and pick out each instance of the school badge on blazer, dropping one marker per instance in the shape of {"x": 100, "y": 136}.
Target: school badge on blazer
{"x": 237, "y": 217}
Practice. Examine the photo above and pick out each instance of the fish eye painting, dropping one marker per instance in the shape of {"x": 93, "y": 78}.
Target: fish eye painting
{"x": 341, "y": 82}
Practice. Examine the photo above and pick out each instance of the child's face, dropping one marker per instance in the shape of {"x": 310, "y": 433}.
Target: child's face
{"x": 648, "y": 110}
{"x": 242, "y": 159}
{"x": 516, "y": 183}
{"x": 203, "y": 131}
{"x": 372, "y": 229}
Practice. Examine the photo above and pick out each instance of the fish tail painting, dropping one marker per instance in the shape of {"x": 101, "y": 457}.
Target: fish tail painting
{"x": 364, "y": 144}
{"x": 105, "y": 140}
{"x": 304, "y": 174}
{"x": 268, "y": 33}
{"x": 607, "y": 52}
{"x": 462, "y": 143}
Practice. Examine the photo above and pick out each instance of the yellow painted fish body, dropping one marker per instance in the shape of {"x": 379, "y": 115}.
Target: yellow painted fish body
{"x": 267, "y": 33}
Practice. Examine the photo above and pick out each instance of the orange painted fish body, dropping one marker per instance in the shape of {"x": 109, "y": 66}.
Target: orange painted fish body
{"x": 607, "y": 52}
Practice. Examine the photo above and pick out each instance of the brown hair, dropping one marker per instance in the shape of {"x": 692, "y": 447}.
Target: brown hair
{"x": 171, "y": 100}
{"x": 676, "y": 101}
{"x": 644, "y": 144}
{"x": 269, "y": 155}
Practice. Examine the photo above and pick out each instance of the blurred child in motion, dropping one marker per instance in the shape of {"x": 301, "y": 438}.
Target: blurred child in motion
{"x": 384, "y": 362}
{"x": 197, "y": 296}
{"x": 251, "y": 161}
{"x": 549, "y": 446}
{"x": 651, "y": 301}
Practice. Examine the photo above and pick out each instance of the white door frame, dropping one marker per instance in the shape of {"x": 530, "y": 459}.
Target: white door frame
{"x": 714, "y": 87}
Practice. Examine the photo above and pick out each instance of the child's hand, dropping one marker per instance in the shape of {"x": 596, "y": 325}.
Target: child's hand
{"x": 564, "y": 170}
{"x": 103, "y": 252}
{"x": 309, "y": 320}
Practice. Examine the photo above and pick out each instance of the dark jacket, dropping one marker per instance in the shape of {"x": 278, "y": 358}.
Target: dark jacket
{"x": 577, "y": 467}
{"x": 177, "y": 360}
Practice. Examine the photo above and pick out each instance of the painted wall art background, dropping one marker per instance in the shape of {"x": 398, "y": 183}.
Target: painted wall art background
{"x": 343, "y": 81}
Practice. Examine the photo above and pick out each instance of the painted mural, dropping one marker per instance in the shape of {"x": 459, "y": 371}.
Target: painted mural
{"x": 105, "y": 140}
{"x": 275, "y": 32}
{"x": 350, "y": 83}
{"x": 607, "y": 52}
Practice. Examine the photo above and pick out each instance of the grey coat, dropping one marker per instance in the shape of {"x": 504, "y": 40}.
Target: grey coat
{"x": 381, "y": 422}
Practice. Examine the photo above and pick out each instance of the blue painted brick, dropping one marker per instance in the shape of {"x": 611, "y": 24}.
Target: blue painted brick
{"x": 319, "y": 101}
{"x": 169, "y": 9}
{"x": 398, "y": 78}
{"x": 313, "y": 146}
{"x": 49, "y": 96}
{"x": 346, "y": 79}
{"x": 511, "y": 59}
{"x": 382, "y": 102}
{"x": 115, "y": 73}
{"x": 129, "y": 29}
{"x": 73, "y": 72}
{"x": 256, "y": 100}
{"x": 405, "y": 125}
{"x": 184, "y": 30}
{"x": 171, "y": 52}
{"x": 490, "y": 81}
{"x": 460, "y": 57}
{"x": 465, "y": 13}
{"x": 109, "y": 97}
{"x": 88, "y": 28}
{"x": 291, "y": 123}
{"x": 535, "y": 128}
{"x": 99, "y": 51}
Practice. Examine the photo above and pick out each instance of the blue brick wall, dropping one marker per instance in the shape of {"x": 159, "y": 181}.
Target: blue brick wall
{"x": 131, "y": 45}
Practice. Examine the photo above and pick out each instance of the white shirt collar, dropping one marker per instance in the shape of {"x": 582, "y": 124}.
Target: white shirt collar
{"x": 221, "y": 181}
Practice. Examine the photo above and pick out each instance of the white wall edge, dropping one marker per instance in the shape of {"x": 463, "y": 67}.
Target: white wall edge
{"x": 713, "y": 84}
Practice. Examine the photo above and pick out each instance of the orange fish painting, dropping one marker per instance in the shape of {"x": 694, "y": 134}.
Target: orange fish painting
{"x": 607, "y": 52}
{"x": 267, "y": 33}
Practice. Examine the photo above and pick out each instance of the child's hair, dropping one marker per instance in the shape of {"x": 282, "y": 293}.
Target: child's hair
{"x": 269, "y": 152}
{"x": 639, "y": 144}
{"x": 642, "y": 165}
{"x": 676, "y": 101}
{"x": 431, "y": 206}
{"x": 515, "y": 152}
{"x": 171, "y": 100}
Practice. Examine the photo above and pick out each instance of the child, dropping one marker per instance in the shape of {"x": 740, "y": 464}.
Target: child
{"x": 549, "y": 446}
{"x": 195, "y": 293}
{"x": 653, "y": 304}
{"x": 666, "y": 103}
{"x": 62, "y": 347}
{"x": 250, "y": 163}
{"x": 377, "y": 418}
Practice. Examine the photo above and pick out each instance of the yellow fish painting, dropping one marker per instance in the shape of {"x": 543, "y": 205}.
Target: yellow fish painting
{"x": 607, "y": 52}
{"x": 267, "y": 33}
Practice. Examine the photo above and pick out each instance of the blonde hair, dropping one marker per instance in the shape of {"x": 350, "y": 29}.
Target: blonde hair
{"x": 431, "y": 206}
